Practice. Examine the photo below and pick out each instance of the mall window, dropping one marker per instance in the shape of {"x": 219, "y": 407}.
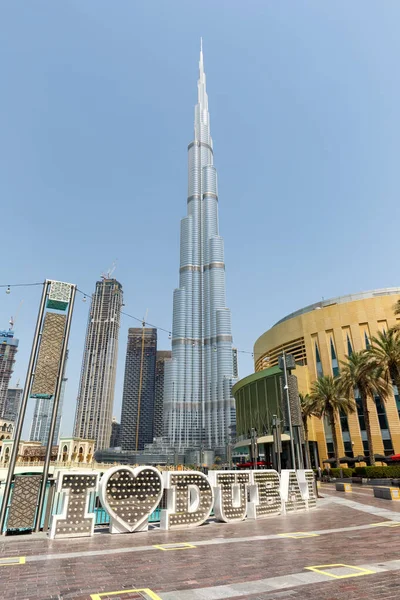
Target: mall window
{"x": 397, "y": 398}
{"x": 335, "y": 365}
{"x": 328, "y": 437}
{"x": 367, "y": 344}
{"x": 366, "y": 447}
{"x": 360, "y": 413}
{"x": 314, "y": 454}
{"x": 349, "y": 347}
{"x": 344, "y": 422}
{"x": 388, "y": 447}
{"x": 318, "y": 363}
{"x": 348, "y": 449}
{"x": 330, "y": 449}
{"x": 380, "y": 409}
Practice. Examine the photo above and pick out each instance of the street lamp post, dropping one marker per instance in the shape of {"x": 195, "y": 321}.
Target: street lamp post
{"x": 254, "y": 449}
{"x": 289, "y": 413}
{"x": 277, "y": 441}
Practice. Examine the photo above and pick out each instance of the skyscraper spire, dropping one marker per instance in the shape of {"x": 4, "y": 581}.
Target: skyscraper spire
{"x": 202, "y": 97}
{"x": 201, "y": 61}
{"x": 198, "y": 403}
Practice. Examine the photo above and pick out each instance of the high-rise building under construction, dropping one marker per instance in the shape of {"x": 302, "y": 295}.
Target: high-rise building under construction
{"x": 198, "y": 404}
{"x": 95, "y": 402}
{"x": 8, "y": 350}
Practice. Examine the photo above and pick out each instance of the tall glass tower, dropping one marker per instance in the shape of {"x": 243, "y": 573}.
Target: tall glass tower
{"x": 198, "y": 405}
{"x": 40, "y": 426}
{"x": 137, "y": 414}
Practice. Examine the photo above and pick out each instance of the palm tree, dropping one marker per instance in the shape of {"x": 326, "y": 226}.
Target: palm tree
{"x": 327, "y": 401}
{"x": 396, "y": 308}
{"x": 360, "y": 373}
{"x": 384, "y": 352}
{"x": 306, "y": 408}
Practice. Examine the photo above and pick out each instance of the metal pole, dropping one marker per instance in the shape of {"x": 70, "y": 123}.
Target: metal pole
{"x": 254, "y": 449}
{"x": 277, "y": 442}
{"x": 47, "y": 459}
{"x": 230, "y": 454}
{"x": 278, "y": 455}
{"x": 307, "y": 455}
{"x": 22, "y": 410}
{"x": 49, "y": 504}
{"x": 298, "y": 448}
{"x": 286, "y": 387}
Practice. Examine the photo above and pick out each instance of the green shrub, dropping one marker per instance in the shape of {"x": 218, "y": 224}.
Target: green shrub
{"x": 378, "y": 472}
{"x": 347, "y": 472}
{"x": 360, "y": 472}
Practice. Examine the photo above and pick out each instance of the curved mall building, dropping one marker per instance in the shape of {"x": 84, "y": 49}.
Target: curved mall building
{"x": 319, "y": 336}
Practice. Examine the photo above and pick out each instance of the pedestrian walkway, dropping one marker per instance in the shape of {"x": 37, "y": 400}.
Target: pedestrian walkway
{"x": 345, "y": 548}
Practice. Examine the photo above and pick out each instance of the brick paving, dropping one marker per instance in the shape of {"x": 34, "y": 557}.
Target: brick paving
{"x": 231, "y": 555}
{"x": 373, "y": 587}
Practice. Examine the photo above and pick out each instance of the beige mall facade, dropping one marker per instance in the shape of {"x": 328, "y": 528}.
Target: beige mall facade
{"x": 321, "y": 335}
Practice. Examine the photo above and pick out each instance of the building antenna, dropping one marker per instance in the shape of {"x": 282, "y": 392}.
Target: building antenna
{"x": 140, "y": 379}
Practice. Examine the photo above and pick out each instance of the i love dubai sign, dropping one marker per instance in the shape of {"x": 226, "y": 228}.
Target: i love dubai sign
{"x": 187, "y": 498}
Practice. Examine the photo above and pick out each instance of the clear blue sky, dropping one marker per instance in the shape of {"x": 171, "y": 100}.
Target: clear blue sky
{"x": 96, "y": 111}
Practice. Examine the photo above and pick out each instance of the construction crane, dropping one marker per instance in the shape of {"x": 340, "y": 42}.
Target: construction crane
{"x": 140, "y": 379}
{"x": 107, "y": 274}
{"x": 14, "y": 318}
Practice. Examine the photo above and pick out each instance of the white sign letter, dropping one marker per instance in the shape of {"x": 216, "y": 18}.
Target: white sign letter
{"x": 75, "y": 519}
{"x": 230, "y": 491}
{"x": 297, "y": 490}
{"x": 189, "y": 500}
{"x": 265, "y": 499}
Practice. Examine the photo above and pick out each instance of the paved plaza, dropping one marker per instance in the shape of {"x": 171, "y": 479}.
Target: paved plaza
{"x": 346, "y": 548}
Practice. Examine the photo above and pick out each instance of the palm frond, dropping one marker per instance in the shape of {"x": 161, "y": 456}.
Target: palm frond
{"x": 360, "y": 372}
{"x": 326, "y": 397}
{"x": 384, "y": 354}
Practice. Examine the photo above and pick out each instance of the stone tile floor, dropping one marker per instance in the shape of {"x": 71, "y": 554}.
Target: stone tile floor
{"x": 228, "y": 561}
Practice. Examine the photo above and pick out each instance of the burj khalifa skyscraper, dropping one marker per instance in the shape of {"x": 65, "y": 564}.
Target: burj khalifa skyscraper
{"x": 198, "y": 404}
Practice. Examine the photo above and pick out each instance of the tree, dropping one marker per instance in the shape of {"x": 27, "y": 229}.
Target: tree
{"x": 326, "y": 401}
{"x": 384, "y": 353}
{"x": 306, "y": 407}
{"x": 360, "y": 373}
{"x": 396, "y": 308}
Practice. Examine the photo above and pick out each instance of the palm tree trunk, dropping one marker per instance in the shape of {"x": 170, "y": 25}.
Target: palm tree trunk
{"x": 332, "y": 422}
{"x": 364, "y": 404}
